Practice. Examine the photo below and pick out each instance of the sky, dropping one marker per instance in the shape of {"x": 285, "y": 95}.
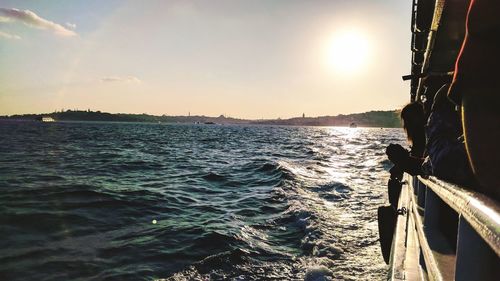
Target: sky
{"x": 245, "y": 59}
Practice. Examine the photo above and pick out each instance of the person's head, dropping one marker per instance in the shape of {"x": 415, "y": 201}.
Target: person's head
{"x": 413, "y": 118}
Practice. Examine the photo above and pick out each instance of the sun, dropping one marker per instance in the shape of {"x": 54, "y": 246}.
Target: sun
{"x": 348, "y": 52}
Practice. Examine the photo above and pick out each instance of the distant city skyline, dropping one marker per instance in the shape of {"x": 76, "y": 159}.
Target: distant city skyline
{"x": 244, "y": 59}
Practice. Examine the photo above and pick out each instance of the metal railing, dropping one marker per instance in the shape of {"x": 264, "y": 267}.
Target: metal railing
{"x": 458, "y": 230}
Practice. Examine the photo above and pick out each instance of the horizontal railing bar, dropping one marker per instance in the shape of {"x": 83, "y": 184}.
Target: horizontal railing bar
{"x": 482, "y": 212}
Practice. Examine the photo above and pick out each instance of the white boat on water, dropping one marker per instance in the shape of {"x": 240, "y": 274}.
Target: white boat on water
{"x": 47, "y": 119}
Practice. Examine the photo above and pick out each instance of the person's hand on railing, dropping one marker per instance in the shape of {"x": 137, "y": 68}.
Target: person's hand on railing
{"x": 403, "y": 160}
{"x": 396, "y": 153}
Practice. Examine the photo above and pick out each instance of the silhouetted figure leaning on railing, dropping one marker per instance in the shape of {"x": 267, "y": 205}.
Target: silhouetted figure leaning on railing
{"x": 445, "y": 156}
{"x": 445, "y": 148}
{"x": 413, "y": 120}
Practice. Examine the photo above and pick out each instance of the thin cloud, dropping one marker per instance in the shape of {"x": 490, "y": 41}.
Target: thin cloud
{"x": 126, "y": 79}
{"x": 31, "y": 19}
{"x": 70, "y": 25}
{"x": 9, "y": 36}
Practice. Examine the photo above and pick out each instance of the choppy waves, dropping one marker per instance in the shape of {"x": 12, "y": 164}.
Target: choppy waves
{"x": 142, "y": 201}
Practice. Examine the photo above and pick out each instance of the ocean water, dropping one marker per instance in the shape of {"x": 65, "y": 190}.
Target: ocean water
{"x": 128, "y": 201}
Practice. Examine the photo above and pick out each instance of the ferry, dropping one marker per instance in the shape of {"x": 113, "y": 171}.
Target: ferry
{"x": 440, "y": 231}
{"x": 47, "y": 119}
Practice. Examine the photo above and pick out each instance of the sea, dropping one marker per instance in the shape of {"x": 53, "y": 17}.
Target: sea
{"x": 144, "y": 201}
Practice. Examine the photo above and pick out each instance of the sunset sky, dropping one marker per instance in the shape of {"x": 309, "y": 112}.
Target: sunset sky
{"x": 247, "y": 59}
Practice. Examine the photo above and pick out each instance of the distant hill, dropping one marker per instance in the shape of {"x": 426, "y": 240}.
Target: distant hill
{"x": 388, "y": 119}
{"x": 86, "y": 115}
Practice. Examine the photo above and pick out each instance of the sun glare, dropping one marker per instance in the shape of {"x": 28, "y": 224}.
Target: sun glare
{"x": 348, "y": 52}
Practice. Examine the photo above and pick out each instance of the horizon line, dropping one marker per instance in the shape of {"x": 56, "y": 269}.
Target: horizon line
{"x": 198, "y": 115}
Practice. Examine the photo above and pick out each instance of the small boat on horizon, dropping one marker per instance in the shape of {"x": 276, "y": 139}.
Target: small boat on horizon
{"x": 46, "y": 119}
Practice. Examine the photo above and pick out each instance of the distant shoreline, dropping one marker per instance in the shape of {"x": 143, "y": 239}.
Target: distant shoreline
{"x": 386, "y": 119}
